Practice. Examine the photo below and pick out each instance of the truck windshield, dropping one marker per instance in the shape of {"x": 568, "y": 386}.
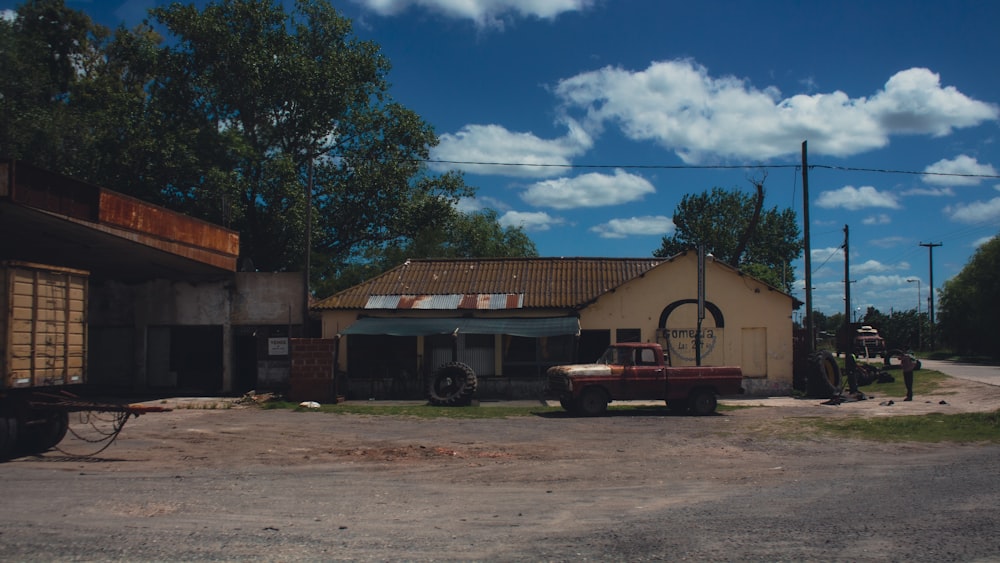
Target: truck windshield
{"x": 612, "y": 356}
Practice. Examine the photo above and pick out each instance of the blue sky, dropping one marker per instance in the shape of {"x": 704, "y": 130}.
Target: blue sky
{"x": 636, "y": 102}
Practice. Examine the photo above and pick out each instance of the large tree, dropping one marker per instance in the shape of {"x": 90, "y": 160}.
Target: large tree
{"x": 735, "y": 228}
{"x": 967, "y": 313}
{"x": 230, "y": 119}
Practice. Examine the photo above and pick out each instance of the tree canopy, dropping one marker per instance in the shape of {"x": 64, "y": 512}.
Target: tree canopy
{"x": 721, "y": 219}
{"x": 967, "y": 313}
{"x": 230, "y": 120}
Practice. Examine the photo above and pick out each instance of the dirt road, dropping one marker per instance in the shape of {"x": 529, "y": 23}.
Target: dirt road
{"x": 750, "y": 484}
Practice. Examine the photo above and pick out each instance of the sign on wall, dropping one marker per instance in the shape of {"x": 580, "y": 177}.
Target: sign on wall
{"x": 680, "y": 343}
{"x": 277, "y": 346}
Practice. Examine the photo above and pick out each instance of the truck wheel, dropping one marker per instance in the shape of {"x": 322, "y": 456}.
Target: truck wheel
{"x": 824, "y": 378}
{"x": 593, "y": 402}
{"x": 8, "y": 436}
{"x": 703, "y": 402}
{"x": 569, "y": 405}
{"x": 451, "y": 385}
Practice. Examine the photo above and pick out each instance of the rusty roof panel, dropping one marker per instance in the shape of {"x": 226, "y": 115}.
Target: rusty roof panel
{"x": 528, "y": 282}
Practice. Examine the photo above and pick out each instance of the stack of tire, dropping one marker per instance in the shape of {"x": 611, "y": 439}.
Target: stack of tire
{"x": 824, "y": 379}
{"x": 452, "y": 385}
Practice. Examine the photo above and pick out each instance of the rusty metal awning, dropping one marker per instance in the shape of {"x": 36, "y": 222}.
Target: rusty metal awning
{"x": 53, "y": 219}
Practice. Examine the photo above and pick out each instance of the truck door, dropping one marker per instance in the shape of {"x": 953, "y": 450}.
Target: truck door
{"x": 644, "y": 378}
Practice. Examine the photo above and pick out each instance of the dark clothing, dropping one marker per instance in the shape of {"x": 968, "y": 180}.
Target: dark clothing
{"x": 908, "y": 364}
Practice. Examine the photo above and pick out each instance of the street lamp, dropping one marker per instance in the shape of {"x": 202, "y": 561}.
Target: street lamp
{"x": 920, "y": 328}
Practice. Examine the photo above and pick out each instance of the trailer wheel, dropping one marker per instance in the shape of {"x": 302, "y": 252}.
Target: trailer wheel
{"x": 824, "y": 378}
{"x": 44, "y": 434}
{"x": 8, "y": 436}
{"x": 593, "y": 402}
{"x": 703, "y": 402}
{"x": 452, "y": 385}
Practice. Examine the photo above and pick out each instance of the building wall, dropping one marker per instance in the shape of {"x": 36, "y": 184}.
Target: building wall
{"x": 757, "y": 325}
{"x": 132, "y": 325}
{"x": 756, "y": 332}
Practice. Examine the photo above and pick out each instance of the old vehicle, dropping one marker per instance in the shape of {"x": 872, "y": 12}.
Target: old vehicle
{"x": 43, "y": 354}
{"x": 640, "y": 371}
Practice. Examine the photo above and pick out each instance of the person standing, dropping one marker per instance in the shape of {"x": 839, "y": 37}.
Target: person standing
{"x": 909, "y": 363}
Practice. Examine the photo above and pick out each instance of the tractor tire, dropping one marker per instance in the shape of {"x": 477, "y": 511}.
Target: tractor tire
{"x": 824, "y": 379}
{"x": 453, "y": 384}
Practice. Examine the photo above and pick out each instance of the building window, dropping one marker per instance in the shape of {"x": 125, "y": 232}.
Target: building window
{"x": 628, "y": 335}
{"x": 530, "y": 357}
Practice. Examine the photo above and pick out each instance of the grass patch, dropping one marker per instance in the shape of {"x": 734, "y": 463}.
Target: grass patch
{"x": 925, "y": 382}
{"x": 934, "y": 427}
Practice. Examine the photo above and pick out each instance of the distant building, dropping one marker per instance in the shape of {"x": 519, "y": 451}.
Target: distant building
{"x": 511, "y": 319}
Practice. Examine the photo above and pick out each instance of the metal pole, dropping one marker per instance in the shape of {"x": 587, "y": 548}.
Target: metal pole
{"x": 308, "y": 253}
{"x": 920, "y": 328}
{"x": 810, "y": 324}
{"x": 930, "y": 292}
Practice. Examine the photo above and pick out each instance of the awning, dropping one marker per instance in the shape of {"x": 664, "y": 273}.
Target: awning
{"x": 530, "y": 327}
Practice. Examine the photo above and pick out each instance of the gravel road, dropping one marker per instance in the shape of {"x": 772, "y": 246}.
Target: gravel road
{"x": 747, "y": 485}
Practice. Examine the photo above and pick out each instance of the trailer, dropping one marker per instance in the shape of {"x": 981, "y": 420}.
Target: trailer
{"x": 43, "y": 356}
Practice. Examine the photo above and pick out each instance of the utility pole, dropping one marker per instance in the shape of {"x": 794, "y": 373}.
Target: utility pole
{"x": 810, "y": 323}
{"x": 920, "y": 329}
{"x": 930, "y": 297}
{"x": 847, "y": 292}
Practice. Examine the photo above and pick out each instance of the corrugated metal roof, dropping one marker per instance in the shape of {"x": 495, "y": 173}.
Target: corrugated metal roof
{"x": 492, "y": 283}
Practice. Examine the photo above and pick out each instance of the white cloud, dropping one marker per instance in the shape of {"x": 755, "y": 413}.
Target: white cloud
{"x": 961, "y": 164}
{"x": 641, "y": 226}
{"x": 870, "y": 267}
{"x": 529, "y": 221}
{"x": 486, "y": 13}
{"x": 479, "y": 203}
{"x": 982, "y": 241}
{"x": 933, "y": 192}
{"x": 974, "y": 212}
{"x": 588, "y": 190}
{"x": 834, "y": 253}
{"x": 852, "y": 198}
{"x": 680, "y": 106}
{"x": 880, "y": 219}
{"x": 485, "y": 144}
{"x": 8, "y": 15}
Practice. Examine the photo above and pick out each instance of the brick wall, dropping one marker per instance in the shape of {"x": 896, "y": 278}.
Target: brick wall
{"x": 311, "y": 376}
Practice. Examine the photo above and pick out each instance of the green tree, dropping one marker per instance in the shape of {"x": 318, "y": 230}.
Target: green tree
{"x": 967, "y": 313}
{"x": 719, "y": 219}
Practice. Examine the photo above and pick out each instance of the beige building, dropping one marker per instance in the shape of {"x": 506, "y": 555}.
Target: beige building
{"x": 511, "y": 319}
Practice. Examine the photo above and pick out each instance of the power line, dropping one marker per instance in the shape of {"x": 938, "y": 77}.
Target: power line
{"x": 705, "y": 167}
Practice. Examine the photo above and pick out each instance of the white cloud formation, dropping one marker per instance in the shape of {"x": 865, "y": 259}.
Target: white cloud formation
{"x": 979, "y": 242}
{"x": 932, "y": 192}
{"x": 529, "y": 221}
{"x": 832, "y": 253}
{"x": 8, "y": 15}
{"x": 974, "y": 212}
{"x": 852, "y": 198}
{"x": 481, "y": 145}
{"x": 880, "y": 219}
{"x": 588, "y": 190}
{"x": 680, "y": 106}
{"x": 641, "y": 226}
{"x": 486, "y": 13}
{"x": 870, "y": 267}
{"x": 961, "y": 164}
{"x": 479, "y": 203}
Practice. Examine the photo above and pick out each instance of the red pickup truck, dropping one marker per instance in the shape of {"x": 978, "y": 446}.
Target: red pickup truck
{"x": 637, "y": 371}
